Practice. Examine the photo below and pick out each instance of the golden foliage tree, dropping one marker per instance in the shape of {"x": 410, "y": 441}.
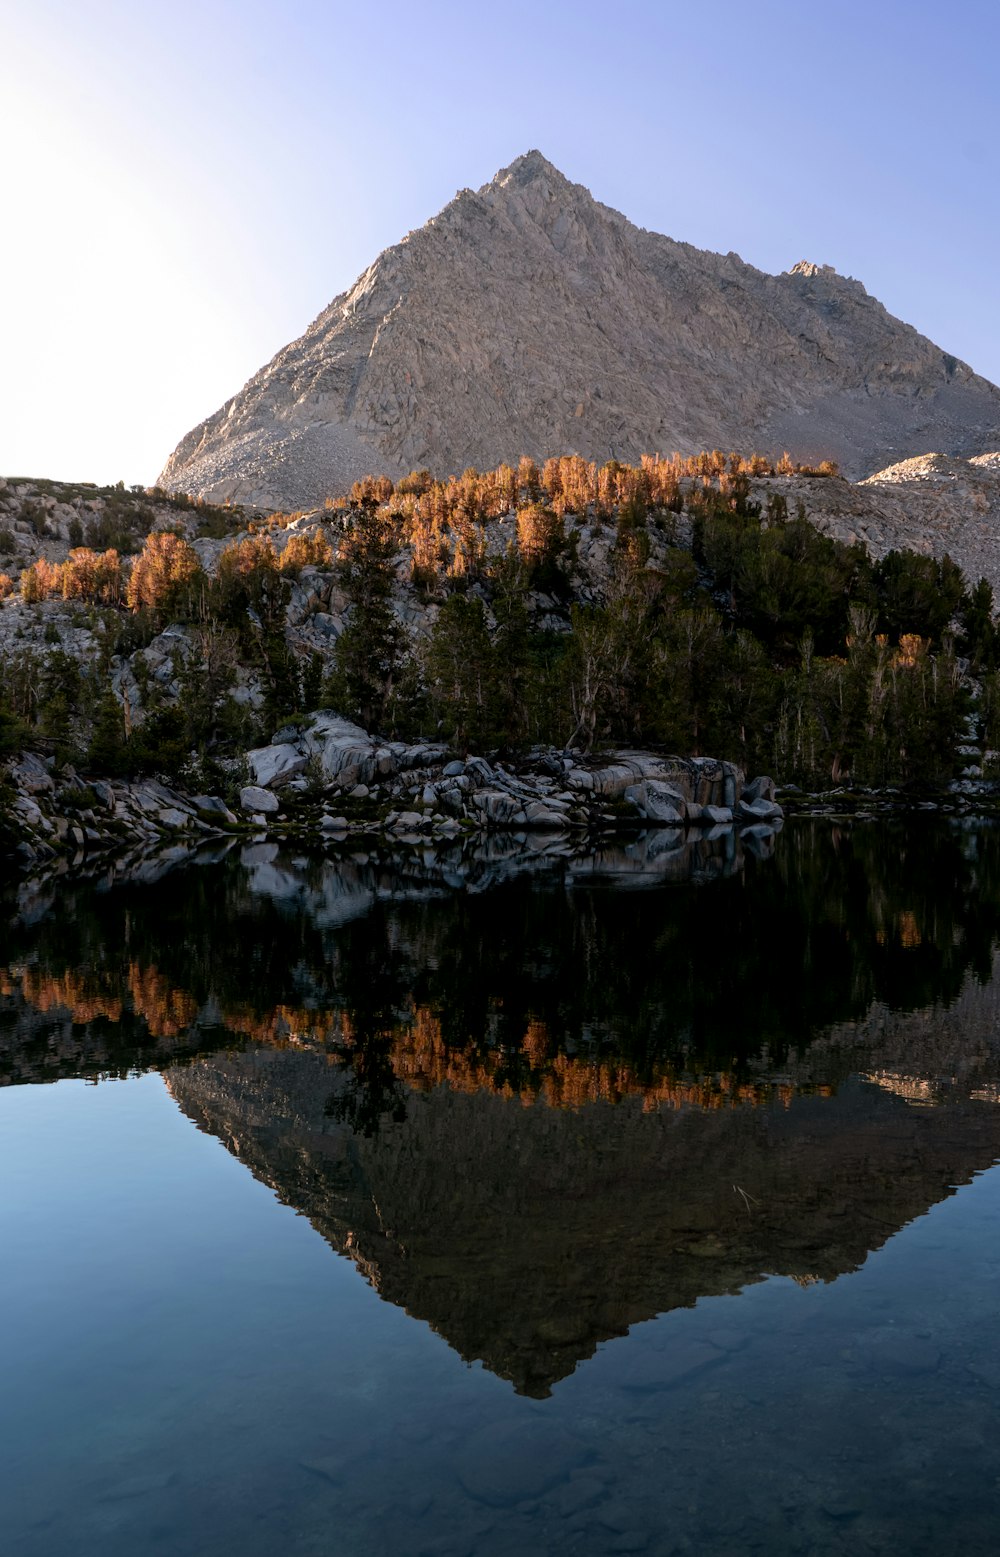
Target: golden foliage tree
{"x": 164, "y": 575}
{"x": 306, "y": 551}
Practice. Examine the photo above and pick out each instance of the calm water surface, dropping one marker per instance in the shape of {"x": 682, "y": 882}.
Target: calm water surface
{"x": 505, "y": 1202}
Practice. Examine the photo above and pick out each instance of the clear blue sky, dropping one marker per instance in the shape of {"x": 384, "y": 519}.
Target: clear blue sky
{"x": 187, "y": 185}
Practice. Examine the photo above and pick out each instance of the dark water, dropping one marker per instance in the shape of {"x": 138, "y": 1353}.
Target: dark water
{"x": 505, "y": 1204}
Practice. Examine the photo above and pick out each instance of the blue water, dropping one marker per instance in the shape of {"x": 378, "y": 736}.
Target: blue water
{"x": 189, "y": 1367}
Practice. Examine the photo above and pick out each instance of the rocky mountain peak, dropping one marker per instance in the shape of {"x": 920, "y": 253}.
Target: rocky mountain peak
{"x": 528, "y": 318}
{"x": 531, "y": 185}
{"x": 808, "y": 269}
{"x": 530, "y": 168}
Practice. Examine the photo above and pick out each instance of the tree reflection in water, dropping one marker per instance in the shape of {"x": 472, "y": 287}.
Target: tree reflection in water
{"x": 537, "y": 1102}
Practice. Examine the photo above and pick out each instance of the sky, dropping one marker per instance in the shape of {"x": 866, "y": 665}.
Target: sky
{"x": 185, "y": 186}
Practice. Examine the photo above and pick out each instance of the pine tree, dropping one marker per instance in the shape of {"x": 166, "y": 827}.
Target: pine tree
{"x": 462, "y": 673}
{"x": 369, "y": 654}
{"x": 106, "y": 753}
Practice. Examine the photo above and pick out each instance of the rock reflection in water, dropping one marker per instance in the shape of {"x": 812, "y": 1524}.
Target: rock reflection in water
{"x": 534, "y": 1110}
{"x": 525, "y": 1236}
{"x": 665, "y": 854}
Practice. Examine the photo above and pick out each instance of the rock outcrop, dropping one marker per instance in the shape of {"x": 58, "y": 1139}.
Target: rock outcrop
{"x": 933, "y": 504}
{"x": 328, "y": 764}
{"x": 54, "y": 812}
{"x": 529, "y": 318}
{"x": 422, "y": 787}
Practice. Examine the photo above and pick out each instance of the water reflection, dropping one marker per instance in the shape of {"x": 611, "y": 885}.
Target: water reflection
{"x": 535, "y": 1111}
{"x": 517, "y": 972}
{"x": 527, "y": 1236}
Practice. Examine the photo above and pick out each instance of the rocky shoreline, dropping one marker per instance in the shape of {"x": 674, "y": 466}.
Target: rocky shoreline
{"x": 325, "y": 780}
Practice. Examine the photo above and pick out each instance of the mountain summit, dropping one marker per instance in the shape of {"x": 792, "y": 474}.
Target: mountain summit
{"x": 528, "y": 318}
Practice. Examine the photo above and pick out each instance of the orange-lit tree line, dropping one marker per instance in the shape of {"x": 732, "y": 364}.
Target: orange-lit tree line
{"x": 167, "y": 575}
{"x": 436, "y": 520}
{"x": 568, "y": 484}
{"x": 755, "y": 637}
{"x": 442, "y": 520}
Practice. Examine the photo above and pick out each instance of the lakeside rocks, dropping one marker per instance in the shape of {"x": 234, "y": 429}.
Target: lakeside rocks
{"x": 325, "y": 781}
{"x": 327, "y": 778}
{"x": 425, "y": 785}
{"x": 276, "y": 764}
{"x": 56, "y": 812}
{"x": 257, "y": 800}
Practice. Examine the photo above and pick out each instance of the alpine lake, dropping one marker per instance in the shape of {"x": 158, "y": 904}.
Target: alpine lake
{"x": 503, "y": 1200}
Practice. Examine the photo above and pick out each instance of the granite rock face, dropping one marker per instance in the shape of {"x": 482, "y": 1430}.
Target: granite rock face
{"x": 54, "y": 815}
{"x": 547, "y": 791}
{"x": 257, "y": 800}
{"x": 412, "y": 791}
{"x": 528, "y": 318}
{"x": 932, "y": 503}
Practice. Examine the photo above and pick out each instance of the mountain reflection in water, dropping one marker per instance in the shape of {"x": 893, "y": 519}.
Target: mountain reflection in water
{"x": 535, "y": 1111}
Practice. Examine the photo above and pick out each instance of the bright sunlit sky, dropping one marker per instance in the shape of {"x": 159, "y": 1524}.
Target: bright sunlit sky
{"x": 186, "y": 185}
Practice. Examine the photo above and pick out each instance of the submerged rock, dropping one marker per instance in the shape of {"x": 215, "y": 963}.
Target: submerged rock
{"x": 506, "y": 1462}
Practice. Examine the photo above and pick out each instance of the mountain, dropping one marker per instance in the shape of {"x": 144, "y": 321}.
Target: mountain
{"x": 529, "y": 318}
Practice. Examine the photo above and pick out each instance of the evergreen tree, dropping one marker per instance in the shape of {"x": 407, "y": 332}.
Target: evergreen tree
{"x": 917, "y": 594}
{"x": 979, "y": 640}
{"x": 462, "y": 673}
{"x": 369, "y": 654}
{"x": 106, "y": 753}
{"x": 12, "y": 731}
